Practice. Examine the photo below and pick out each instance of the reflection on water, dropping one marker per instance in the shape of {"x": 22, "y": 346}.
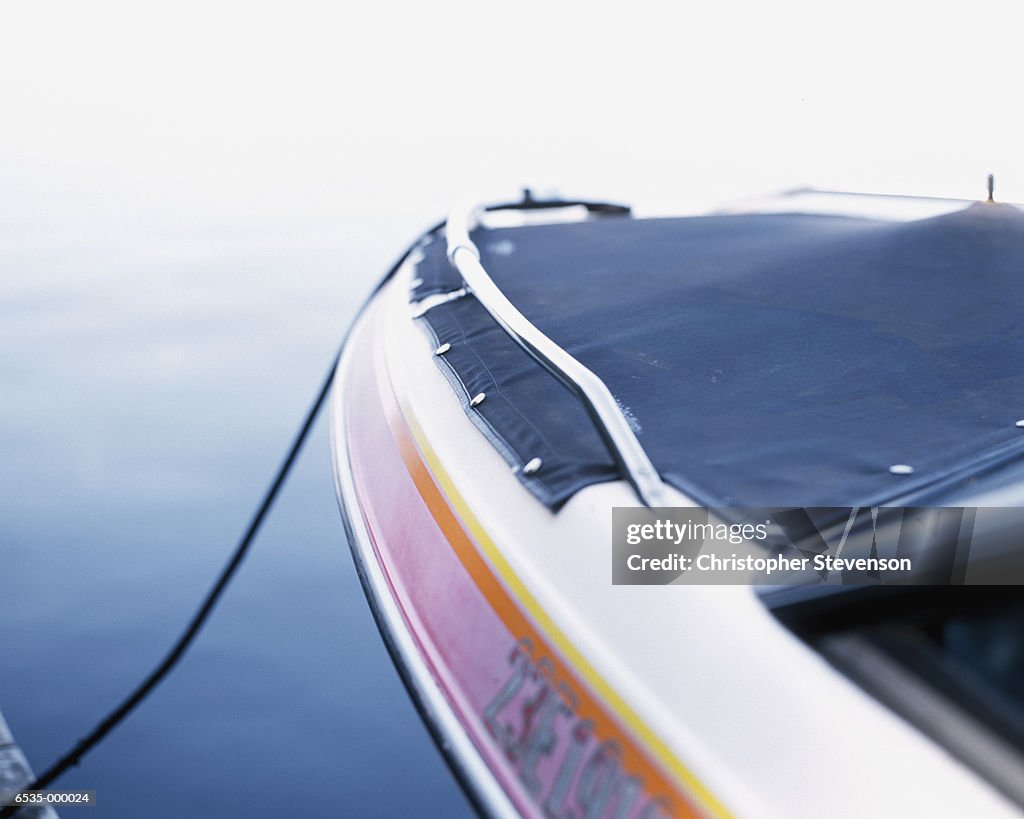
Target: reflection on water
{"x": 152, "y": 377}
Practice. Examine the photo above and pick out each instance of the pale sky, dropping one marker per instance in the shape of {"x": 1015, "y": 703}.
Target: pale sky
{"x": 308, "y": 110}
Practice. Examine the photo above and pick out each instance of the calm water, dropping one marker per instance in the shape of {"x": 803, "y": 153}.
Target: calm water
{"x": 154, "y": 368}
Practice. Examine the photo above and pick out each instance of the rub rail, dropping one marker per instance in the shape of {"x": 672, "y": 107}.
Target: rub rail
{"x": 600, "y": 404}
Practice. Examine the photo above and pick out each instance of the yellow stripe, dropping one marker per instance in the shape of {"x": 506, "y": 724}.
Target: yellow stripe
{"x": 653, "y": 742}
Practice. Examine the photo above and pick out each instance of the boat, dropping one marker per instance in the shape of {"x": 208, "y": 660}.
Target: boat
{"x": 529, "y": 372}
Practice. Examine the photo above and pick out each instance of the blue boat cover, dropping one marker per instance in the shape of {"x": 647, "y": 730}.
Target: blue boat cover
{"x": 763, "y": 360}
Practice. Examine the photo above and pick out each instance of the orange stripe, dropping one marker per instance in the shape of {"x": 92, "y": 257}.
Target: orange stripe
{"x": 635, "y": 760}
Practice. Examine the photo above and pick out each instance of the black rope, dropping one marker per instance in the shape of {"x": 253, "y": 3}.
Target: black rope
{"x": 141, "y": 691}
{"x": 129, "y": 704}
{"x": 86, "y": 744}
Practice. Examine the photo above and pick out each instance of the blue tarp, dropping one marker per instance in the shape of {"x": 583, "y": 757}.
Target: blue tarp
{"x": 764, "y": 360}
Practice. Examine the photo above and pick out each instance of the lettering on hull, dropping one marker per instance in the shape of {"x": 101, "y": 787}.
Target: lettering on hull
{"x": 567, "y": 769}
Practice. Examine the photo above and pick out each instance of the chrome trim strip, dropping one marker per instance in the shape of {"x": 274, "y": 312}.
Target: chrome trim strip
{"x": 459, "y": 751}
{"x": 629, "y": 455}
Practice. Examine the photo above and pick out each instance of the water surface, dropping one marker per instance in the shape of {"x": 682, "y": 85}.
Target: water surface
{"x": 154, "y": 368}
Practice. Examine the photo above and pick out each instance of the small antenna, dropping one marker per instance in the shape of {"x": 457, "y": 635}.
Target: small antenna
{"x": 991, "y": 187}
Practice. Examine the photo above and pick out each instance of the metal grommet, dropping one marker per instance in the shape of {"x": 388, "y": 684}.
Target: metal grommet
{"x": 901, "y": 469}
{"x": 477, "y": 399}
{"x": 532, "y": 466}
{"x": 444, "y": 348}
